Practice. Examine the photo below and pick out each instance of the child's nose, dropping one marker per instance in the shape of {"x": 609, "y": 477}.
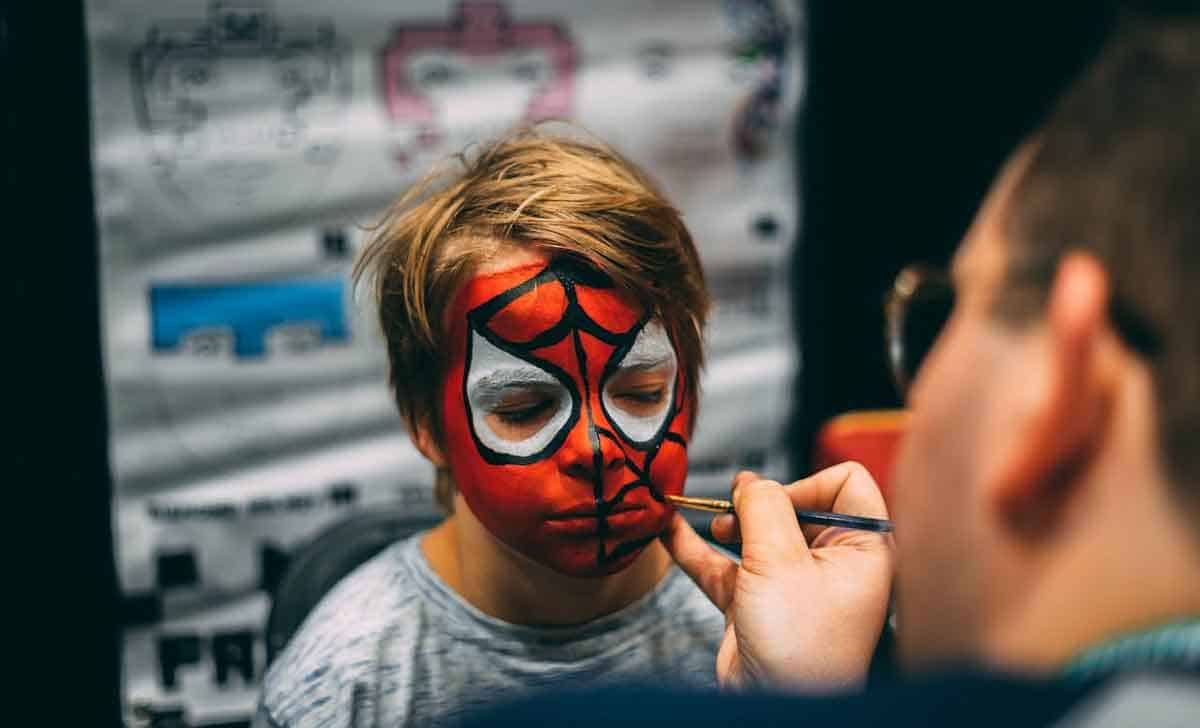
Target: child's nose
{"x": 587, "y": 452}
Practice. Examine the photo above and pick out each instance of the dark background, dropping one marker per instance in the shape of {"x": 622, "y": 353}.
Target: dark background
{"x": 910, "y": 112}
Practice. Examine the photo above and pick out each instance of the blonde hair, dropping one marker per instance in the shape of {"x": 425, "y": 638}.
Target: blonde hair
{"x": 530, "y": 188}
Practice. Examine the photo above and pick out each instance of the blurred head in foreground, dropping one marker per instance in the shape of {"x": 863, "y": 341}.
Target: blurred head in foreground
{"x": 1048, "y": 494}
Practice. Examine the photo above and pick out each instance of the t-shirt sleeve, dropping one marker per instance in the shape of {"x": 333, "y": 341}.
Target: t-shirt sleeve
{"x": 323, "y": 678}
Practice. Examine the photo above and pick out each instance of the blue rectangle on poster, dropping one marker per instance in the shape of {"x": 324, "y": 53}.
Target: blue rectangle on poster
{"x": 249, "y": 311}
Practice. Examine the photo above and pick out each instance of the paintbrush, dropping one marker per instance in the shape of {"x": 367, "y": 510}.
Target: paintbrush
{"x": 820, "y": 518}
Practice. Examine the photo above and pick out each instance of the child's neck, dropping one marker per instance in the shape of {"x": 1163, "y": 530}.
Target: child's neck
{"x": 507, "y": 586}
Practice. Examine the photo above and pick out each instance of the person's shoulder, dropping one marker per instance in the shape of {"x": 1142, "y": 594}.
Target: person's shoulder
{"x": 1167, "y": 698}
{"x": 363, "y": 603}
{"x": 975, "y": 699}
{"x": 313, "y": 680}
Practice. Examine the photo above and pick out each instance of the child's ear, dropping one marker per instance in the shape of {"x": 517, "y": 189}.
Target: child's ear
{"x": 422, "y": 437}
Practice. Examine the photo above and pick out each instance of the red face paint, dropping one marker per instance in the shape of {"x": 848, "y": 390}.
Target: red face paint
{"x": 573, "y": 475}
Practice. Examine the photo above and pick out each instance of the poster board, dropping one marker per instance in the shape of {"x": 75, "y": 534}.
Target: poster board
{"x": 239, "y": 151}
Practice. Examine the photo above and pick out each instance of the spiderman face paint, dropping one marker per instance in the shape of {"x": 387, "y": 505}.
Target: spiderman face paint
{"x": 565, "y": 416}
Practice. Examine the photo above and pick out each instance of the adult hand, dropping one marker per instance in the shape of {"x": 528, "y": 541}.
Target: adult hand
{"x": 805, "y": 607}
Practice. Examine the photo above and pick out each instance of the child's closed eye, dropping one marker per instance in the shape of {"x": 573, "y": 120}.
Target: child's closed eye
{"x": 524, "y": 412}
{"x": 520, "y": 415}
{"x": 643, "y": 396}
{"x": 640, "y": 392}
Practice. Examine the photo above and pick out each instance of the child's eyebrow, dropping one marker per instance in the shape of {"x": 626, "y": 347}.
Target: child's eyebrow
{"x": 642, "y": 360}
{"x": 489, "y": 388}
{"x": 651, "y": 349}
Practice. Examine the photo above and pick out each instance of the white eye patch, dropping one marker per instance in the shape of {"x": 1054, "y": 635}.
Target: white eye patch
{"x": 494, "y": 374}
{"x": 651, "y": 349}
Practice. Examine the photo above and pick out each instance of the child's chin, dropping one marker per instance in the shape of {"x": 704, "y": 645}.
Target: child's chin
{"x": 588, "y": 564}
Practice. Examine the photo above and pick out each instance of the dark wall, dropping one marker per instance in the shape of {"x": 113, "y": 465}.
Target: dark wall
{"x": 911, "y": 110}
{"x": 61, "y": 578}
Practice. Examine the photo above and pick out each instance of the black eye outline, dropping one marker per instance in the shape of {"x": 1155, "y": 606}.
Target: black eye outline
{"x": 611, "y": 368}
{"x": 569, "y": 273}
{"x": 494, "y": 457}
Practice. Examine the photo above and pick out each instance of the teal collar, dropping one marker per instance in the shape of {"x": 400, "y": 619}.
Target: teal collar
{"x": 1174, "y": 645}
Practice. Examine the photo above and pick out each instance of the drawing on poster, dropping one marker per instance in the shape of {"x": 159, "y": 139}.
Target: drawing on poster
{"x": 241, "y": 319}
{"x": 760, "y": 54}
{"x": 237, "y": 102}
{"x": 468, "y": 77}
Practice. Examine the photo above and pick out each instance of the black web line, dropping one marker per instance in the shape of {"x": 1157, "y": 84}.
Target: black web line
{"x": 575, "y": 321}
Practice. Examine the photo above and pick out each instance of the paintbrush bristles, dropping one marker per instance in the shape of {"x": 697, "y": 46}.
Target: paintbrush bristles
{"x": 712, "y": 505}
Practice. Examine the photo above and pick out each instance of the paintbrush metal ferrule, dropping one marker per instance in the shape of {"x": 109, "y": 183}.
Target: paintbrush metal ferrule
{"x": 712, "y": 505}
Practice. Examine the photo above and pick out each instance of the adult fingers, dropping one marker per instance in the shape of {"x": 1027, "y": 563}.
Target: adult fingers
{"x": 846, "y": 488}
{"x": 767, "y": 519}
{"x": 713, "y": 572}
{"x": 743, "y": 476}
{"x": 725, "y": 528}
{"x": 843, "y": 488}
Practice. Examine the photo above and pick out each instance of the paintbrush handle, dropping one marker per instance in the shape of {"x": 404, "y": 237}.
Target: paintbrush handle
{"x": 819, "y": 518}
{"x": 841, "y": 520}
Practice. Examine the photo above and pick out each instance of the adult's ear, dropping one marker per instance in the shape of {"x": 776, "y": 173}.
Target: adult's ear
{"x": 421, "y": 434}
{"x": 1070, "y": 409}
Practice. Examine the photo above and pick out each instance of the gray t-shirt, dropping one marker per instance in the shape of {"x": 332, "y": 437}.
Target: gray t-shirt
{"x": 392, "y": 645}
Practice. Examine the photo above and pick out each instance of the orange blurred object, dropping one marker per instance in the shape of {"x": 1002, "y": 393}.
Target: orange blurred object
{"x": 870, "y": 437}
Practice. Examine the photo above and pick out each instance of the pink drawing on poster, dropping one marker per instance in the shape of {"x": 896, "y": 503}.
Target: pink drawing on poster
{"x": 479, "y": 32}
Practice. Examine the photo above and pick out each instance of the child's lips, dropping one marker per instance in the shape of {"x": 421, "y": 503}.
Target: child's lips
{"x": 587, "y": 521}
{"x": 591, "y": 510}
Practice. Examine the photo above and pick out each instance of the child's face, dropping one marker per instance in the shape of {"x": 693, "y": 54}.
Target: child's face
{"x": 564, "y": 413}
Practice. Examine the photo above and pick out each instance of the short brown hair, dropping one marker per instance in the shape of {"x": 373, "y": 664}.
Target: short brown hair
{"x": 531, "y": 188}
{"x": 1115, "y": 172}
